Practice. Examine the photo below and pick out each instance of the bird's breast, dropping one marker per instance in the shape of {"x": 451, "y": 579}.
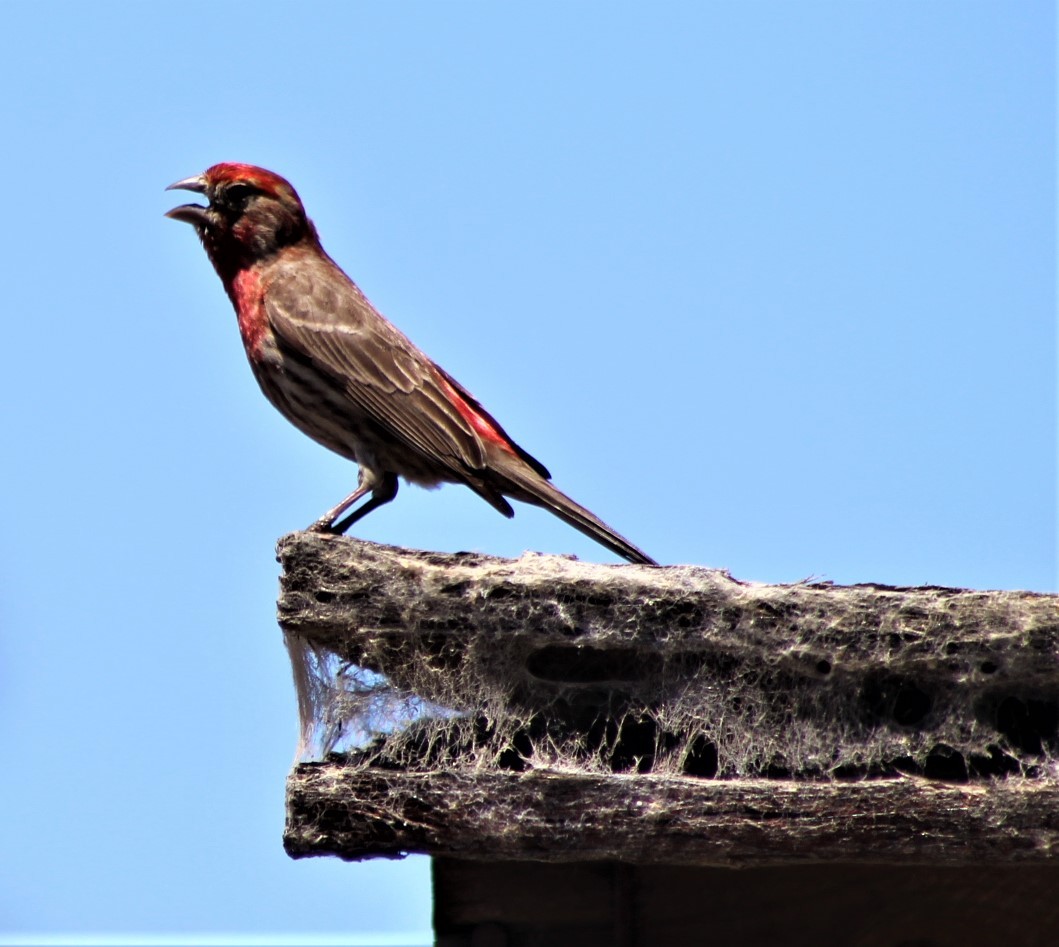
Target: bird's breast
{"x": 248, "y": 298}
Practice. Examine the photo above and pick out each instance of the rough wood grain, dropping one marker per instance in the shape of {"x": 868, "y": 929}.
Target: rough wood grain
{"x": 646, "y": 820}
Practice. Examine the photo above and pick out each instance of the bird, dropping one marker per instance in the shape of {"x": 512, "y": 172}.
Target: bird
{"x": 347, "y": 377}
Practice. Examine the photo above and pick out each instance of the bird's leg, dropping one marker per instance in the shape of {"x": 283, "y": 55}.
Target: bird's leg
{"x": 384, "y": 492}
{"x": 325, "y": 523}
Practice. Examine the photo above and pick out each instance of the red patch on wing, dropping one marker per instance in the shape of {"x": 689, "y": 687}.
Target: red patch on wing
{"x": 481, "y": 426}
{"x": 248, "y": 297}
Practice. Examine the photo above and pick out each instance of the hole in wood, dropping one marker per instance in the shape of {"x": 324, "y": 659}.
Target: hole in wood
{"x": 943, "y": 762}
{"x": 896, "y": 699}
{"x": 563, "y": 664}
{"x": 701, "y": 758}
{"x": 1030, "y": 725}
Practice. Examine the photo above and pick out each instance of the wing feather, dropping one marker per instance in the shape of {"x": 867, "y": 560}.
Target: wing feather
{"x": 313, "y": 307}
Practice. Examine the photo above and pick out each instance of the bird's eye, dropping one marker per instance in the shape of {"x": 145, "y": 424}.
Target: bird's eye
{"x": 236, "y": 194}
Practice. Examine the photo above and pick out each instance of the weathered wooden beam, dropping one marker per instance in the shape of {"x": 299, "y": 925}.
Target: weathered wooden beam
{"x": 645, "y": 820}
{"x": 558, "y": 710}
{"x": 353, "y": 597}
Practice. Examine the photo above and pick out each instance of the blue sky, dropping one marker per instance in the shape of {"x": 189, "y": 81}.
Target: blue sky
{"x": 768, "y": 286}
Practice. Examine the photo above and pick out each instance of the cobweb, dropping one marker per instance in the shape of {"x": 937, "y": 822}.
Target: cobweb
{"x": 343, "y": 707}
{"x": 489, "y": 699}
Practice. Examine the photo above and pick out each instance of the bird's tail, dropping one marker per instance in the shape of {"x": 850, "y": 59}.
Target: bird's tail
{"x": 528, "y": 486}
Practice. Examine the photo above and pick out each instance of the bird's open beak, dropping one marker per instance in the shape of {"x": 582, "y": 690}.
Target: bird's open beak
{"x": 193, "y": 214}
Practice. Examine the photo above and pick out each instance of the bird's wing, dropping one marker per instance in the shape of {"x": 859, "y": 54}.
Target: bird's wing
{"x": 313, "y": 307}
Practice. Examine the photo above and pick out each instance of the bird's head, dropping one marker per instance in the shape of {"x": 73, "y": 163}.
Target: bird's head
{"x": 252, "y": 213}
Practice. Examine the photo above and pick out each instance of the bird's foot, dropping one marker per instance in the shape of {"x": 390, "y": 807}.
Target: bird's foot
{"x": 322, "y": 525}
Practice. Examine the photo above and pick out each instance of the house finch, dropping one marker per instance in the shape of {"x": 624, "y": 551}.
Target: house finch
{"x": 344, "y": 375}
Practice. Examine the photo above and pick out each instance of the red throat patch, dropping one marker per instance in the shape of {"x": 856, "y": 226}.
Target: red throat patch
{"x": 248, "y": 297}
